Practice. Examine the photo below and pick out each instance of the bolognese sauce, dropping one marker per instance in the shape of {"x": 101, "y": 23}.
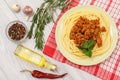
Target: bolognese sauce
{"x": 85, "y": 29}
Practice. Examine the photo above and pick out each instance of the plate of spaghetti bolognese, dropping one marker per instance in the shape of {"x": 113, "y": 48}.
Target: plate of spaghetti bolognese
{"x": 86, "y": 35}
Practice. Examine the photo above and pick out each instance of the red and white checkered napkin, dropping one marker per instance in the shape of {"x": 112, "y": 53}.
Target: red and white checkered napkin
{"x": 110, "y": 68}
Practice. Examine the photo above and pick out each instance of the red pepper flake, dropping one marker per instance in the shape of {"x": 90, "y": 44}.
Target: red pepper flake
{"x": 16, "y": 31}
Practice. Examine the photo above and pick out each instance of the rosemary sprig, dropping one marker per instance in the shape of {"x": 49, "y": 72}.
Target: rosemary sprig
{"x": 43, "y": 16}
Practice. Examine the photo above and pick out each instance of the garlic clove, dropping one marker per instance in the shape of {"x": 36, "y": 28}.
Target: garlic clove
{"x": 27, "y": 10}
{"x": 15, "y": 7}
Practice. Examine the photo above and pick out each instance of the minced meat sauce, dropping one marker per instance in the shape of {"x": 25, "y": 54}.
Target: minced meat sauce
{"x": 85, "y": 29}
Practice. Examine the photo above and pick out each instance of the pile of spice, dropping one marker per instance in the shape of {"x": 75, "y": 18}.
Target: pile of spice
{"x": 16, "y": 31}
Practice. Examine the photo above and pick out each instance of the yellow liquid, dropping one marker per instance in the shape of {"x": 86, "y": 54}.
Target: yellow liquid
{"x": 30, "y": 56}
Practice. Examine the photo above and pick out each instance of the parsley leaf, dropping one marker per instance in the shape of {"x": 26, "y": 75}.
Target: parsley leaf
{"x": 88, "y": 53}
{"x": 80, "y": 47}
{"x": 87, "y": 47}
{"x": 91, "y": 44}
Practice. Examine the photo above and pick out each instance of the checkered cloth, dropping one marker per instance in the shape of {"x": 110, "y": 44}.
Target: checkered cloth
{"x": 110, "y": 68}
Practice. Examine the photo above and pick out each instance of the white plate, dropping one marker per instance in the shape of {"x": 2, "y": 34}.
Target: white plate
{"x": 86, "y": 61}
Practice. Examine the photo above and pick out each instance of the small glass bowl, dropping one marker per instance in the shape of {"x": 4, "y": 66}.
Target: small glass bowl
{"x": 9, "y": 26}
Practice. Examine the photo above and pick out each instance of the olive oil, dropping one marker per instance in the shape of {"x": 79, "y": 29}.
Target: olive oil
{"x": 33, "y": 57}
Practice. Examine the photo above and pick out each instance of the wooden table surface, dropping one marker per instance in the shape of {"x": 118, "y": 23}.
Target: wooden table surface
{"x": 10, "y": 65}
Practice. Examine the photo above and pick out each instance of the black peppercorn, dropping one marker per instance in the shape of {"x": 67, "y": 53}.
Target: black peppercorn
{"x": 16, "y": 31}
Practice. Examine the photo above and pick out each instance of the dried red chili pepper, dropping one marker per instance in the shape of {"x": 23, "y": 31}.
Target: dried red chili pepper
{"x": 39, "y": 74}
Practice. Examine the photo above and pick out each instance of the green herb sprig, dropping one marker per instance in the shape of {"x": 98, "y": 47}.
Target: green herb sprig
{"x": 87, "y": 47}
{"x": 43, "y": 16}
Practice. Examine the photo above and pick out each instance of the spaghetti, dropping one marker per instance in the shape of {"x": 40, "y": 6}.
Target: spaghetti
{"x": 68, "y": 22}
